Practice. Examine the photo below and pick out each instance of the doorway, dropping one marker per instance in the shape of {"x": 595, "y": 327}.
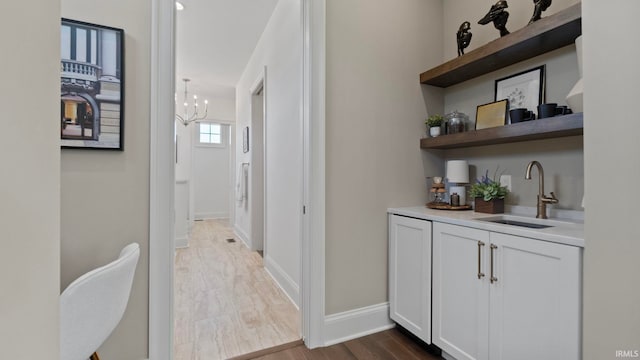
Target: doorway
{"x": 258, "y": 165}
{"x": 161, "y": 199}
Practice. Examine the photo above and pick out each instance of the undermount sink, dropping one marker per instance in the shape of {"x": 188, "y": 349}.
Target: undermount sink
{"x": 519, "y": 223}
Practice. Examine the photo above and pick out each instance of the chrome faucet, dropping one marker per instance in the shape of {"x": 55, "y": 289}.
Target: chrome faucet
{"x": 543, "y": 200}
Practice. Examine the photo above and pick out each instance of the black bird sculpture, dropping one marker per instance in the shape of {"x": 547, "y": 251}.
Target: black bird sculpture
{"x": 498, "y": 16}
{"x": 539, "y": 7}
{"x": 464, "y": 37}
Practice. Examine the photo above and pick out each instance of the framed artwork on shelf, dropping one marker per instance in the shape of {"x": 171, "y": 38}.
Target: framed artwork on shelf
{"x": 523, "y": 90}
{"x": 492, "y": 114}
{"x": 92, "y": 86}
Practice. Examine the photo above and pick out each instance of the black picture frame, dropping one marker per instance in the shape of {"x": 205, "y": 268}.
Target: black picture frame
{"x": 245, "y": 140}
{"x": 92, "y": 86}
{"x": 525, "y": 89}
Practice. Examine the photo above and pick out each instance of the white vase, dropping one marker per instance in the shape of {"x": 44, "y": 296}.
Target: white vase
{"x": 434, "y": 131}
{"x": 574, "y": 98}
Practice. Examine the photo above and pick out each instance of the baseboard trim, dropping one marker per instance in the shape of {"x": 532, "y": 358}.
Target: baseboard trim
{"x": 211, "y": 215}
{"x": 182, "y": 242}
{"x": 356, "y": 323}
{"x": 284, "y": 281}
{"x": 240, "y": 234}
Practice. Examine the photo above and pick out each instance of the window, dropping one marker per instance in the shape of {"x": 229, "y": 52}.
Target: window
{"x": 210, "y": 134}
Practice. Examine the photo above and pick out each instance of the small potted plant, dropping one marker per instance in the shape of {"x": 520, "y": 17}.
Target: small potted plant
{"x": 488, "y": 194}
{"x": 434, "y": 122}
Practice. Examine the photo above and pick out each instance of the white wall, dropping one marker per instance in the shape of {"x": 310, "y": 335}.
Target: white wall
{"x": 280, "y": 50}
{"x": 375, "y": 111}
{"x": 561, "y": 158}
{"x": 221, "y": 109}
{"x": 105, "y": 194}
{"x": 211, "y": 168}
{"x": 182, "y": 224}
{"x": 611, "y": 266}
{"x": 30, "y": 192}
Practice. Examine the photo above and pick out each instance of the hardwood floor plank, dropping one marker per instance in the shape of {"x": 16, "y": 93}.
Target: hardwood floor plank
{"x": 389, "y": 344}
{"x": 414, "y": 347}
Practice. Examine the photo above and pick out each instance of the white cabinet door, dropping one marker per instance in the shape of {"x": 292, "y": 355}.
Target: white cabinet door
{"x": 535, "y": 301}
{"x": 460, "y": 291}
{"x": 410, "y": 274}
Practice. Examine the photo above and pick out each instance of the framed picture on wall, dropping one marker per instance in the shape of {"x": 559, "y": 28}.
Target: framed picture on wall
{"x": 523, "y": 90}
{"x": 92, "y": 86}
{"x": 245, "y": 139}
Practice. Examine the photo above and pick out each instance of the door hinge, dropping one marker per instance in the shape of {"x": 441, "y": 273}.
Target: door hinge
{"x": 304, "y": 210}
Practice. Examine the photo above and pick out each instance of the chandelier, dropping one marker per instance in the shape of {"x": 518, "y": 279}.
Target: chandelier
{"x": 190, "y": 116}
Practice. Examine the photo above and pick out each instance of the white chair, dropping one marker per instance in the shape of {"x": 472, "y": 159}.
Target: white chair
{"x": 92, "y": 305}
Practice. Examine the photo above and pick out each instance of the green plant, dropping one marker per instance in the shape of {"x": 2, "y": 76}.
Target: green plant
{"x": 434, "y": 120}
{"x": 488, "y": 189}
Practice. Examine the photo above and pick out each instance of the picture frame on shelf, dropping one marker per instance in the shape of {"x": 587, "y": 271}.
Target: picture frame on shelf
{"x": 525, "y": 89}
{"x": 492, "y": 114}
{"x": 92, "y": 86}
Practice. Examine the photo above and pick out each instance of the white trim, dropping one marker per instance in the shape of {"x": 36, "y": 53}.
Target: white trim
{"x": 313, "y": 223}
{"x": 446, "y": 356}
{"x": 260, "y": 84}
{"x": 240, "y": 234}
{"x": 161, "y": 181}
{"x": 284, "y": 281}
{"x": 356, "y": 323}
{"x": 182, "y": 242}
{"x": 219, "y": 121}
{"x": 211, "y": 215}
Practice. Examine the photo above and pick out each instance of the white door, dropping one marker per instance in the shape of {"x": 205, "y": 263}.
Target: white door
{"x": 535, "y": 301}
{"x": 460, "y": 291}
{"x": 410, "y": 274}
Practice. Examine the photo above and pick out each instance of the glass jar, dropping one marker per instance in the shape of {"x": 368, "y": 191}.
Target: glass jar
{"x": 456, "y": 122}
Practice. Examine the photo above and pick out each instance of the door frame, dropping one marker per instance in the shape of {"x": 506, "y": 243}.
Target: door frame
{"x": 313, "y": 183}
{"x": 161, "y": 180}
{"x": 162, "y": 173}
{"x": 259, "y": 85}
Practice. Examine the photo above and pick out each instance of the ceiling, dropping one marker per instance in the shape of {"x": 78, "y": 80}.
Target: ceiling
{"x": 214, "y": 41}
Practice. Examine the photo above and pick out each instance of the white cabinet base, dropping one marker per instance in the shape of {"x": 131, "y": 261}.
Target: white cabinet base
{"x": 504, "y": 297}
{"x": 410, "y": 274}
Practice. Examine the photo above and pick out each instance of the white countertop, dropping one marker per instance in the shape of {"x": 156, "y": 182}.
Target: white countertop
{"x": 561, "y": 231}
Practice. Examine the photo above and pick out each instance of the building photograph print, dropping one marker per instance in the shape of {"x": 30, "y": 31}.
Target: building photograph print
{"x": 92, "y": 86}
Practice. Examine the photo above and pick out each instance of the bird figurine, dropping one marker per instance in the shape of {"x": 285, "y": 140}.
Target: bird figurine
{"x": 539, "y": 7}
{"x": 464, "y": 37}
{"x": 498, "y": 16}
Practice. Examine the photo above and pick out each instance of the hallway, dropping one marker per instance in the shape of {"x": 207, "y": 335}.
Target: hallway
{"x": 225, "y": 302}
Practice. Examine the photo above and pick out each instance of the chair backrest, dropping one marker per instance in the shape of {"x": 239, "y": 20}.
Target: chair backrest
{"x": 92, "y": 305}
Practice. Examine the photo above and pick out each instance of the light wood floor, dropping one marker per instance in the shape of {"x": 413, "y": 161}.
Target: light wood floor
{"x": 225, "y": 302}
{"x": 386, "y": 345}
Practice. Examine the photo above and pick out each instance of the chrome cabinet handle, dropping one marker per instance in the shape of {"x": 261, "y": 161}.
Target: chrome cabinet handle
{"x": 493, "y": 278}
{"x": 480, "y": 273}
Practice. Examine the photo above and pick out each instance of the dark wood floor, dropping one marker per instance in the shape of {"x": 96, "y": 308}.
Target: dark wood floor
{"x": 391, "y": 344}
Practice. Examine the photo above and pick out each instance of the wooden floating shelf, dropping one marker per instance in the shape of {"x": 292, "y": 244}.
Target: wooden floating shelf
{"x": 548, "y": 128}
{"x": 547, "y": 34}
